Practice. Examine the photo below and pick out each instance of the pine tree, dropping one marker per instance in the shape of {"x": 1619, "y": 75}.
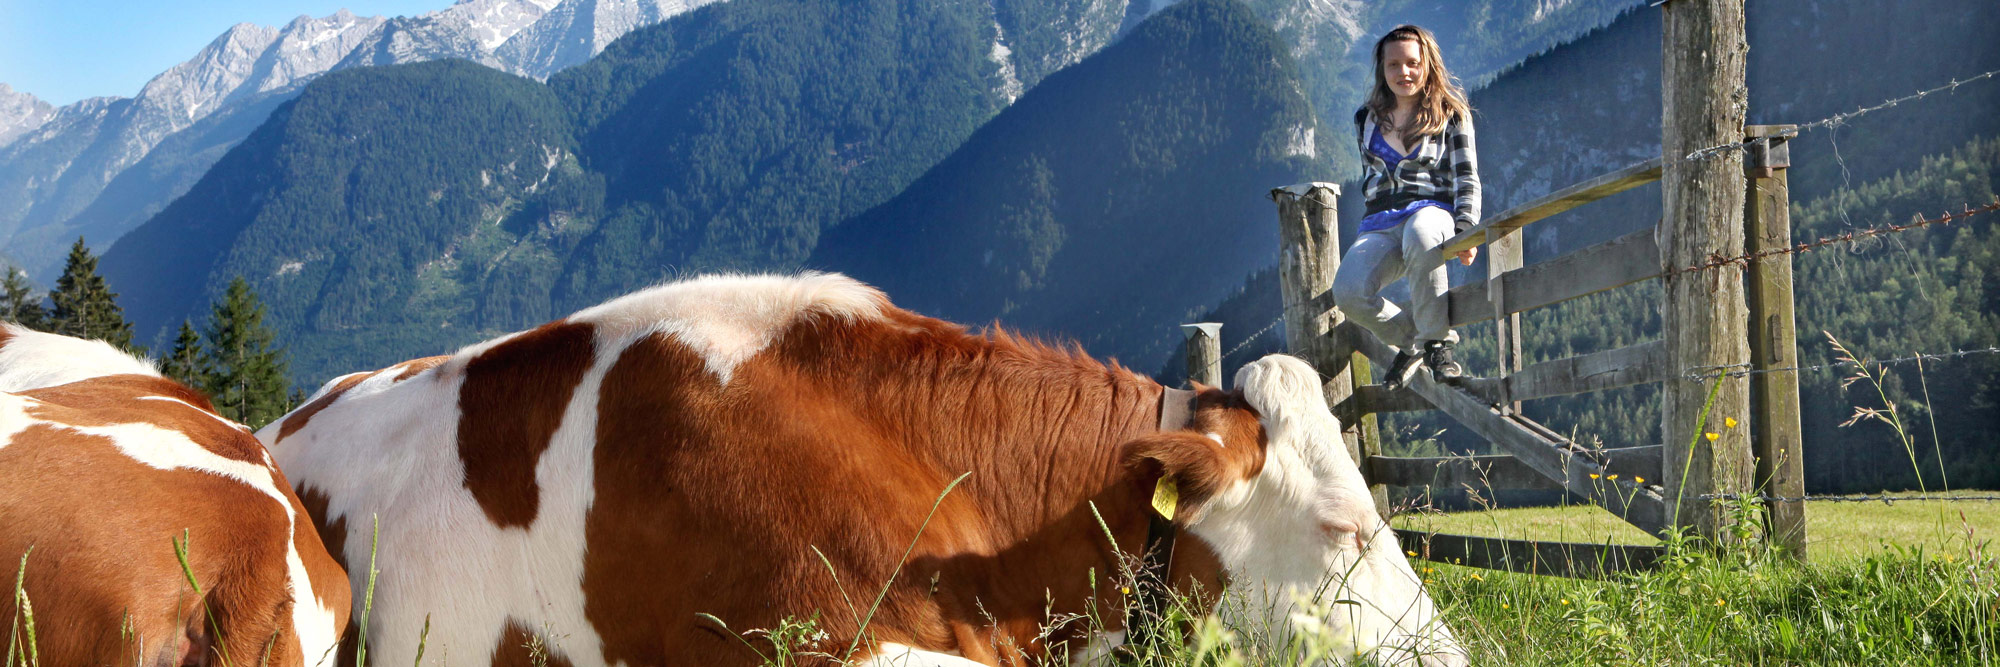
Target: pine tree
{"x": 245, "y": 374}
{"x": 83, "y": 306}
{"x": 185, "y": 364}
{"x": 18, "y": 302}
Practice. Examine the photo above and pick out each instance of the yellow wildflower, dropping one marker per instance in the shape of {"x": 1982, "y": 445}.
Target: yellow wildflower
{"x": 1504, "y": 605}
{"x": 1713, "y": 435}
{"x": 1729, "y": 422}
{"x": 1638, "y": 480}
{"x": 1412, "y": 554}
{"x": 1593, "y": 475}
{"x": 1565, "y": 602}
{"x": 1719, "y": 602}
{"x": 1612, "y": 477}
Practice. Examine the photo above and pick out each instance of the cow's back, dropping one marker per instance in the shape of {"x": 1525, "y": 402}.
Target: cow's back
{"x": 589, "y": 489}
{"x": 112, "y": 483}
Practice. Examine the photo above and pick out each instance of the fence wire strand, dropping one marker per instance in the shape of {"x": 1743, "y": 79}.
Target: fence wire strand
{"x": 1699, "y": 373}
{"x": 1246, "y": 342}
{"x": 1841, "y": 118}
{"x": 1882, "y": 498}
{"x": 1851, "y": 237}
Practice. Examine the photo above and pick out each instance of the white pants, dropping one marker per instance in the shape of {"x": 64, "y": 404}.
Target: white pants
{"x": 1379, "y": 258}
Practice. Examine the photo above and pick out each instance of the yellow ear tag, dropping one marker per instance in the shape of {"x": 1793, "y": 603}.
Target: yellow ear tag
{"x": 1165, "y": 497}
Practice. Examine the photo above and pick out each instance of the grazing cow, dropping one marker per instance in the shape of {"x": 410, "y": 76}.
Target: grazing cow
{"x": 112, "y": 481}
{"x": 747, "y": 449}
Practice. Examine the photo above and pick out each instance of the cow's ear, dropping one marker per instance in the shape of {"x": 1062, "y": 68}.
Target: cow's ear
{"x": 1193, "y": 465}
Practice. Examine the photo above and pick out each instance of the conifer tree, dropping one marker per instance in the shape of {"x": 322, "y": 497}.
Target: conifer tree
{"x": 245, "y": 374}
{"x": 83, "y": 306}
{"x": 19, "y": 303}
{"x": 184, "y": 364}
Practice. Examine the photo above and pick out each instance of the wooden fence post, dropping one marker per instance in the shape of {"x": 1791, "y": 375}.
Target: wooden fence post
{"x": 1774, "y": 394}
{"x": 1704, "y": 318}
{"x": 1308, "y": 256}
{"x": 1204, "y": 352}
{"x": 1503, "y": 248}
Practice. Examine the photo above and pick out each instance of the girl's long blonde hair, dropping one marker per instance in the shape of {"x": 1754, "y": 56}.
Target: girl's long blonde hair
{"x": 1438, "y": 100}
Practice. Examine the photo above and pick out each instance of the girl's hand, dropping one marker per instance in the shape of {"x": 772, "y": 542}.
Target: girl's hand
{"x": 1465, "y": 256}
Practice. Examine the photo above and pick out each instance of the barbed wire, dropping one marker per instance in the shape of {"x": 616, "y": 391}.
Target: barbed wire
{"x": 1853, "y": 236}
{"x": 1882, "y": 498}
{"x": 1712, "y": 372}
{"x": 1840, "y": 118}
{"x": 1246, "y": 341}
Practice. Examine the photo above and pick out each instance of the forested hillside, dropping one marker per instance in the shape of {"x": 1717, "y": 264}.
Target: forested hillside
{"x": 365, "y": 211}
{"x": 727, "y": 138}
{"x": 398, "y": 211}
{"x": 1115, "y": 196}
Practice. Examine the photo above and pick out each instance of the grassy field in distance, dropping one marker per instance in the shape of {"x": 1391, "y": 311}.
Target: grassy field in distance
{"x": 1834, "y": 530}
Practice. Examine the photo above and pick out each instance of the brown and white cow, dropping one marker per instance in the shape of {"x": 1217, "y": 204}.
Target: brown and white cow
{"x": 595, "y": 485}
{"x": 104, "y": 466}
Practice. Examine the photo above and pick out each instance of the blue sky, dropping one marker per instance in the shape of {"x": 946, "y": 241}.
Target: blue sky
{"x": 66, "y": 50}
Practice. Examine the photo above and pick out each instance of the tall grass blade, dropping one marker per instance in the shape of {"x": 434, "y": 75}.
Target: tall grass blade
{"x": 1936, "y": 448}
{"x": 368, "y": 596}
{"x": 761, "y": 658}
{"x": 1700, "y": 425}
{"x": 423, "y": 637}
{"x": 863, "y": 630}
{"x": 851, "y": 610}
{"x": 28, "y": 654}
{"x": 181, "y": 553}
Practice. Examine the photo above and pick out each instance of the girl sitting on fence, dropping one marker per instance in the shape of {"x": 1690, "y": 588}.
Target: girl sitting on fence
{"x": 1422, "y": 186}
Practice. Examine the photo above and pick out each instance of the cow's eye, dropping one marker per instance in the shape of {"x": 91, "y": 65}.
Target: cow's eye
{"x": 1339, "y": 529}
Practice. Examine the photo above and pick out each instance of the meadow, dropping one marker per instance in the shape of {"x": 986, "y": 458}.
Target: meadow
{"x": 1908, "y": 583}
{"x": 1902, "y": 583}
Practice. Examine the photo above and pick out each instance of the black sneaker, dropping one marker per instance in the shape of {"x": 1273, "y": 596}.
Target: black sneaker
{"x": 1437, "y": 356}
{"x": 1401, "y": 370}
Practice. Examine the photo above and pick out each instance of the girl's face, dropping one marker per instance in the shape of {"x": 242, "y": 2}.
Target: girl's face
{"x": 1403, "y": 68}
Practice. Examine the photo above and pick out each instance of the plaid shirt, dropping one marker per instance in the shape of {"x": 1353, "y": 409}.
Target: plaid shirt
{"x": 1437, "y": 167}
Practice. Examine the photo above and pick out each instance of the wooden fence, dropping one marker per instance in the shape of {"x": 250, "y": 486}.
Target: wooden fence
{"x": 1638, "y": 482}
{"x": 1718, "y": 321}
{"x": 1727, "y": 341}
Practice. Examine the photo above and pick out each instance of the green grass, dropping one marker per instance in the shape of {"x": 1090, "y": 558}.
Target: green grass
{"x": 1911, "y": 583}
{"x": 1834, "y": 530}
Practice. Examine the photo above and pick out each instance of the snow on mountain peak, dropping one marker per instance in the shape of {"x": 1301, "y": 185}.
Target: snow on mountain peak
{"x": 20, "y": 113}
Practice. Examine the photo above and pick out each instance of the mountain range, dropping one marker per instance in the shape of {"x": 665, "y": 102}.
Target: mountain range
{"x": 101, "y": 166}
{"x": 733, "y": 138}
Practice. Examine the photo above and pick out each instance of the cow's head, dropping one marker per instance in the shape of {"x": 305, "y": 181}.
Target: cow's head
{"x": 1265, "y": 480}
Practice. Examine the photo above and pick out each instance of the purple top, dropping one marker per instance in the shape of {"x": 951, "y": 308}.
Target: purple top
{"x": 1395, "y": 216}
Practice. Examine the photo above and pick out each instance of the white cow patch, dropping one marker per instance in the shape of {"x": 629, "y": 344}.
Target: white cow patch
{"x": 727, "y": 319}
{"x": 13, "y": 418}
{"x": 483, "y": 576}
{"x": 32, "y": 360}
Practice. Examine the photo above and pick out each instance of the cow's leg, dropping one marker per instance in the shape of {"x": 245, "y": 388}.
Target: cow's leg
{"x": 898, "y": 655}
